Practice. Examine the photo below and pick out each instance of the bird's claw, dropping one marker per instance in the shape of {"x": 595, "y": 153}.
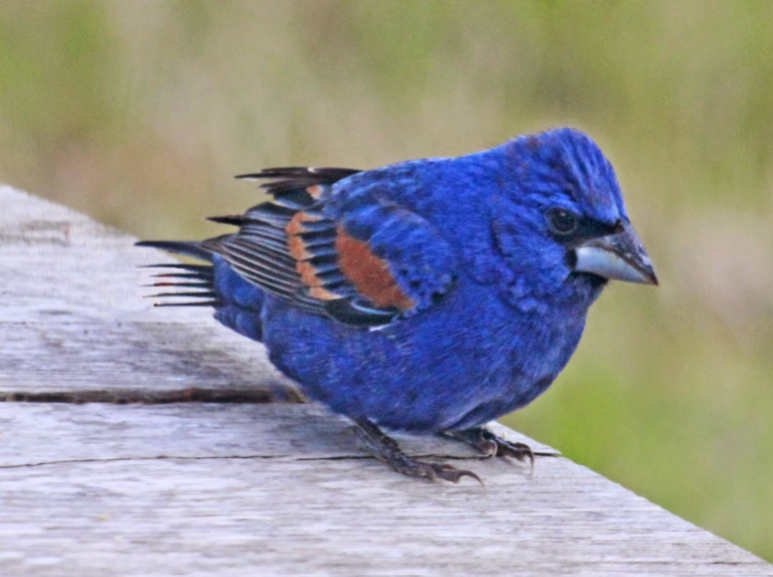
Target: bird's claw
{"x": 450, "y": 473}
{"x": 520, "y": 451}
{"x": 490, "y": 445}
{"x": 430, "y": 471}
{"x": 385, "y": 449}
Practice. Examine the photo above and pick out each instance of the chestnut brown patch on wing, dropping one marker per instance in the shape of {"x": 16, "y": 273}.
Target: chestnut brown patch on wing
{"x": 295, "y": 226}
{"x": 314, "y": 191}
{"x": 323, "y": 294}
{"x": 369, "y": 274}
{"x": 295, "y": 243}
{"x": 297, "y": 248}
{"x": 308, "y": 274}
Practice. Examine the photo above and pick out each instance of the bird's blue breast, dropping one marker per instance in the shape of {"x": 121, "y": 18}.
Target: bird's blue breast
{"x": 470, "y": 360}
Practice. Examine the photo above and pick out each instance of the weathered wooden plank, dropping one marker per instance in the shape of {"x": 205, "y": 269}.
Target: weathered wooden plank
{"x": 268, "y": 489}
{"x": 76, "y": 320}
{"x": 193, "y": 430}
{"x": 272, "y": 490}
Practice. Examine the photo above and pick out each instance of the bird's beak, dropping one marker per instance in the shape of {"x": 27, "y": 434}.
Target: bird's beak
{"x": 619, "y": 256}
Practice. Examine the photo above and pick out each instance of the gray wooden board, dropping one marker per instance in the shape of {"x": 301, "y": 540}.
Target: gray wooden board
{"x": 200, "y": 489}
{"x": 75, "y": 318}
{"x": 252, "y": 489}
{"x": 140, "y": 431}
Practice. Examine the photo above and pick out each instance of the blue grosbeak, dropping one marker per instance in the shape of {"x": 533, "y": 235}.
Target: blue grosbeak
{"x": 430, "y": 296}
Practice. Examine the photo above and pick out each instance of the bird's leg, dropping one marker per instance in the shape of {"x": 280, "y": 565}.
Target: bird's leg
{"x": 489, "y": 445}
{"x": 386, "y": 449}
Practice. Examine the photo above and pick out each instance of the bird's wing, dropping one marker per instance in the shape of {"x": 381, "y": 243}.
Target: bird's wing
{"x": 361, "y": 262}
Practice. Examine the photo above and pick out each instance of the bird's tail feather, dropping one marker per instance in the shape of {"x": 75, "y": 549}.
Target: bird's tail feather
{"x": 197, "y": 279}
{"x": 192, "y": 249}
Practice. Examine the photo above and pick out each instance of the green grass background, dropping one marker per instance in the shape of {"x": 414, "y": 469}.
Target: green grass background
{"x": 139, "y": 113}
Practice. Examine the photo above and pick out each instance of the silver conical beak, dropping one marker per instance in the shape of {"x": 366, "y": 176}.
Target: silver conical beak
{"x": 618, "y": 256}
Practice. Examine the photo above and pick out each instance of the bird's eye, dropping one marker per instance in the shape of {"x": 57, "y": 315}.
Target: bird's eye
{"x": 562, "y": 221}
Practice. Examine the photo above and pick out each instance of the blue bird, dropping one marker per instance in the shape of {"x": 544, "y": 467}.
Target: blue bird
{"x": 430, "y": 296}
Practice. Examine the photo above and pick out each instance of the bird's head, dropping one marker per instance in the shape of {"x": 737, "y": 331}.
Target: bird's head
{"x": 563, "y": 216}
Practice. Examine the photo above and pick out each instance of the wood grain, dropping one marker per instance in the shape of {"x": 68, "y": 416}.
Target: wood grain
{"x": 78, "y": 321}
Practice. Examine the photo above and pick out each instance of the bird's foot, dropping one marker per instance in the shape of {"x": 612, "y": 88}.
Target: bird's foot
{"x": 386, "y": 449}
{"x": 490, "y": 445}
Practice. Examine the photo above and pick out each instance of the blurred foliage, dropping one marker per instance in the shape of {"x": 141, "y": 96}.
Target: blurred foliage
{"x": 139, "y": 112}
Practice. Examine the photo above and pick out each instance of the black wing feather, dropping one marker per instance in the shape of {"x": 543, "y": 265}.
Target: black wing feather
{"x": 260, "y": 251}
